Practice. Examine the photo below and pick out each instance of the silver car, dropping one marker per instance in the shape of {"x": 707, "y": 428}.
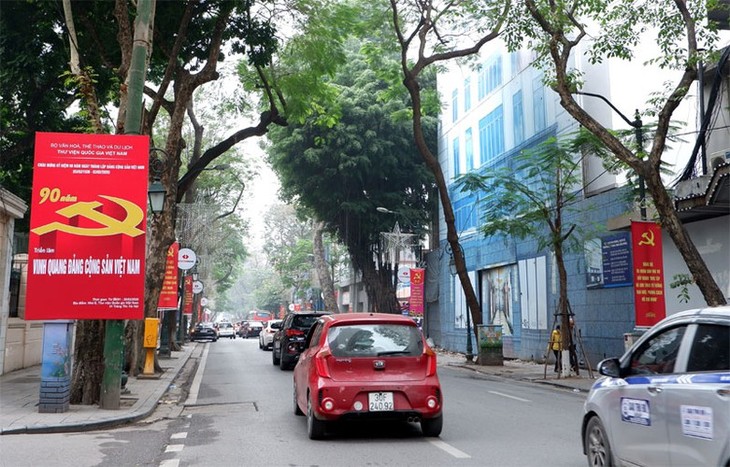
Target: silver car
{"x": 667, "y": 400}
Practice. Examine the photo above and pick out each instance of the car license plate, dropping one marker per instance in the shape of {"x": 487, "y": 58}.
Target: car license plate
{"x": 380, "y": 401}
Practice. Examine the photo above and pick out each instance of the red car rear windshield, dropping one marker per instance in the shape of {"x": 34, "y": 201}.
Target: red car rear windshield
{"x": 375, "y": 340}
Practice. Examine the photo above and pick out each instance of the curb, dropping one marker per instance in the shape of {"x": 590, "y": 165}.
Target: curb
{"x": 516, "y": 377}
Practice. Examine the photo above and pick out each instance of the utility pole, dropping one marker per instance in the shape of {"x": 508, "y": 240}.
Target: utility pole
{"x": 111, "y": 382}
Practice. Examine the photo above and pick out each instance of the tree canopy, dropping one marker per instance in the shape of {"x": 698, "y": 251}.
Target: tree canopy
{"x": 365, "y": 160}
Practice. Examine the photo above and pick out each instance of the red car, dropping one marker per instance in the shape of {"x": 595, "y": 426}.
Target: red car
{"x": 367, "y": 366}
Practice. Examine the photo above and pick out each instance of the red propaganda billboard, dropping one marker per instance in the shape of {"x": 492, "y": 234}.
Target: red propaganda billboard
{"x": 418, "y": 281}
{"x": 168, "y": 294}
{"x": 646, "y": 240}
{"x": 87, "y": 227}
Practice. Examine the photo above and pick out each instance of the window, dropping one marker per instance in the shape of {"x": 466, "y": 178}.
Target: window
{"x": 467, "y": 94}
{"x": 533, "y": 285}
{"x": 460, "y": 307}
{"x": 314, "y": 334}
{"x": 538, "y": 103}
{"x": 491, "y": 136}
{"x": 465, "y": 213}
{"x": 490, "y": 76}
{"x": 454, "y": 105}
{"x": 658, "y": 354}
{"x": 710, "y": 349}
{"x": 516, "y": 62}
{"x": 518, "y": 116}
{"x": 457, "y": 157}
{"x": 15, "y": 276}
{"x": 469, "y": 150}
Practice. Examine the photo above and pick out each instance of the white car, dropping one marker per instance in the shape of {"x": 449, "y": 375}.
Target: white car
{"x": 266, "y": 336}
{"x": 225, "y": 329}
{"x": 667, "y": 400}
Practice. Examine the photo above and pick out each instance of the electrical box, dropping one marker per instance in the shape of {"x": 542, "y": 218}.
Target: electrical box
{"x": 151, "y": 332}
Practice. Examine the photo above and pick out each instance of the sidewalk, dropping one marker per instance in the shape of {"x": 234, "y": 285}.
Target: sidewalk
{"x": 521, "y": 370}
{"x": 20, "y": 392}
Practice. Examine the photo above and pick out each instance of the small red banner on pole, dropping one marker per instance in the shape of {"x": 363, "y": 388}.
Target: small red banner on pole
{"x": 649, "y": 304}
{"x": 418, "y": 281}
{"x": 86, "y": 248}
{"x": 188, "y": 308}
{"x": 168, "y": 294}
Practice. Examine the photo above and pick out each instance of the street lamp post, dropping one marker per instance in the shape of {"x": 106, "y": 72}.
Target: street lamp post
{"x": 637, "y": 125}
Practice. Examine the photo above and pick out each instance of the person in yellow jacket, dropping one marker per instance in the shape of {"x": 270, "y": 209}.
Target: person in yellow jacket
{"x": 556, "y": 346}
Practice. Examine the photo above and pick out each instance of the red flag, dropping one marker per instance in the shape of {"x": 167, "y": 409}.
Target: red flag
{"x": 649, "y": 305}
{"x": 168, "y": 295}
{"x": 418, "y": 281}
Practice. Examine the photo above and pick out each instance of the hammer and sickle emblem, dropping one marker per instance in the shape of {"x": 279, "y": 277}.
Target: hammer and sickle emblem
{"x": 417, "y": 277}
{"x": 88, "y": 210}
{"x": 647, "y": 238}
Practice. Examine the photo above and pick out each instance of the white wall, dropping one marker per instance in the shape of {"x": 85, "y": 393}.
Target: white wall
{"x": 712, "y": 239}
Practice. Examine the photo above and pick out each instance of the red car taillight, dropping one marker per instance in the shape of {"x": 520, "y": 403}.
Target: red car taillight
{"x": 431, "y": 362}
{"x": 294, "y": 332}
{"x": 320, "y": 363}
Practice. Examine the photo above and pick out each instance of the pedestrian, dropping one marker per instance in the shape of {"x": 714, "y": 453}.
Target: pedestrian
{"x": 572, "y": 347}
{"x": 556, "y": 347}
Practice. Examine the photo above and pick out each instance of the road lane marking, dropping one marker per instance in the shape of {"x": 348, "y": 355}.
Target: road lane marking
{"x": 174, "y": 447}
{"x": 181, "y": 435}
{"x": 170, "y": 463}
{"x": 195, "y": 387}
{"x": 449, "y": 449}
{"x": 508, "y": 396}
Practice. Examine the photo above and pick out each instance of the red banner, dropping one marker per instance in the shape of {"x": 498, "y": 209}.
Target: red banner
{"x": 646, "y": 240}
{"x": 168, "y": 295}
{"x": 188, "y": 291}
{"x": 87, "y": 227}
{"x": 418, "y": 281}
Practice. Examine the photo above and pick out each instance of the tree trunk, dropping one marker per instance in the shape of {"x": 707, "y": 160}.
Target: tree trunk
{"x": 378, "y": 287}
{"x": 452, "y": 237}
{"x": 88, "y": 367}
{"x": 325, "y": 279}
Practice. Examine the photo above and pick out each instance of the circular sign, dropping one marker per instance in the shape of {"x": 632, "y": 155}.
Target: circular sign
{"x": 197, "y": 286}
{"x": 404, "y": 274}
{"x": 203, "y": 301}
{"x": 186, "y": 259}
{"x": 291, "y": 307}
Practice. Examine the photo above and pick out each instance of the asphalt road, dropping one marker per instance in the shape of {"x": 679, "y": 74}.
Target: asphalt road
{"x": 243, "y": 415}
{"x": 238, "y": 411}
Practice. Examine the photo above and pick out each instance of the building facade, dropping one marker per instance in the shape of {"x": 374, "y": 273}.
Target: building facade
{"x": 494, "y": 109}
{"x": 20, "y": 340}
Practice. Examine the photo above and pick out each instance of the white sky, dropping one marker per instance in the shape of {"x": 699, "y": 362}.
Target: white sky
{"x": 262, "y": 194}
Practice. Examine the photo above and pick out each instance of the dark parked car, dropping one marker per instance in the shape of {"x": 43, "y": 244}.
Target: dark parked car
{"x": 252, "y": 329}
{"x": 289, "y": 340}
{"x": 204, "y": 331}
